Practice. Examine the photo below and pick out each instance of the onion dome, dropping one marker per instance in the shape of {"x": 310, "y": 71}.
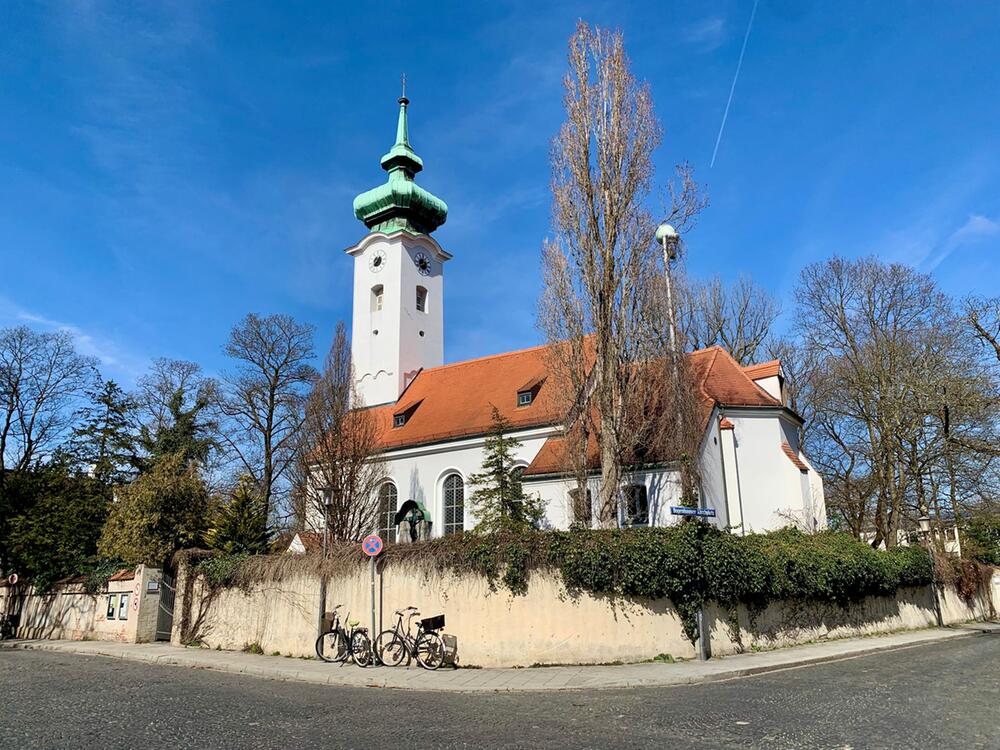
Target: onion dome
{"x": 401, "y": 204}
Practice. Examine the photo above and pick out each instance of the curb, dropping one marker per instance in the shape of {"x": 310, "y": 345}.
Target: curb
{"x": 284, "y": 674}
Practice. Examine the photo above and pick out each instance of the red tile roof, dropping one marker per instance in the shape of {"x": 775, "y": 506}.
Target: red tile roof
{"x": 725, "y": 424}
{"x": 794, "y": 458}
{"x": 456, "y": 400}
{"x": 125, "y": 574}
{"x": 764, "y": 369}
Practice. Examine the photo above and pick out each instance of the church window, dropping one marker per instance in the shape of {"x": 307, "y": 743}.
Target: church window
{"x": 387, "y": 507}
{"x": 421, "y": 299}
{"x": 636, "y": 505}
{"x": 377, "y": 298}
{"x": 582, "y": 508}
{"x": 454, "y": 504}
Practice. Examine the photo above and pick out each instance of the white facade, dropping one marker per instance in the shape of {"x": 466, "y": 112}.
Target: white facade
{"x": 398, "y": 320}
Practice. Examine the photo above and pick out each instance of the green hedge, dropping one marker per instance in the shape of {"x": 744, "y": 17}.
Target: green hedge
{"x": 690, "y": 564}
{"x": 693, "y": 563}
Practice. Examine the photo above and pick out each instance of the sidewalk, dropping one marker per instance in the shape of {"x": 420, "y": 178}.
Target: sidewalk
{"x": 491, "y": 680}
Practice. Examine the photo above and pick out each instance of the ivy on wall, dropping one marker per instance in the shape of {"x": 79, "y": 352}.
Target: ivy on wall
{"x": 689, "y": 564}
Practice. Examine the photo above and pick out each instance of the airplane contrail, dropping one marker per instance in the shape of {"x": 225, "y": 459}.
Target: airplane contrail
{"x": 725, "y": 115}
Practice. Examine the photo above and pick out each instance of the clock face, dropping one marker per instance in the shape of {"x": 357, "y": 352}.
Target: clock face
{"x": 376, "y": 262}
{"x": 423, "y": 264}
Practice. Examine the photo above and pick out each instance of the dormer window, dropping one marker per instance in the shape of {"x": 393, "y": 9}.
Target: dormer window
{"x": 403, "y": 414}
{"x": 421, "y": 299}
{"x": 526, "y": 393}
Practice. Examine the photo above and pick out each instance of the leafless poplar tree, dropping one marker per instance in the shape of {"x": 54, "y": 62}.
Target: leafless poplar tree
{"x": 738, "y": 317}
{"x": 264, "y": 396}
{"x": 339, "y": 464}
{"x": 41, "y": 379}
{"x": 602, "y": 265}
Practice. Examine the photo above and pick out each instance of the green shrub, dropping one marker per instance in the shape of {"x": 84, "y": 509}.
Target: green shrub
{"x": 220, "y": 570}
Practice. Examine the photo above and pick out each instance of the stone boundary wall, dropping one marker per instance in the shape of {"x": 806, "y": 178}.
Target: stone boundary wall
{"x": 67, "y": 612}
{"x": 547, "y": 625}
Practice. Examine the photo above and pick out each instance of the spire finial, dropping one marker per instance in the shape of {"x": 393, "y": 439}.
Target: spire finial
{"x": 402, "y": 80}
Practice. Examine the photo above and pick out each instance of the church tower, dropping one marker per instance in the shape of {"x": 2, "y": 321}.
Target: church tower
{"x": 398, "y": 322}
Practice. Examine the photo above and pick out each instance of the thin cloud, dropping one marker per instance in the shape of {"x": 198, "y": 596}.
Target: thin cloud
{"x": 114, "y": 359}
{"x": 976, "y": 229}
{"x": 707, "y": 34}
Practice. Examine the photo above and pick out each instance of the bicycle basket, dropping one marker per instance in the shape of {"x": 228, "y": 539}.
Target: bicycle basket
{"x": 433, "y": 623}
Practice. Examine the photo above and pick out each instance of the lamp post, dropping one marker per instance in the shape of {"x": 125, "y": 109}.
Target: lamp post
{"x": 667, "y": 236}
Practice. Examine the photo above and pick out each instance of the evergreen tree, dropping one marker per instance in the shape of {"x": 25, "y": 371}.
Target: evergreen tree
{"x": 57, "y": 520}
{"x": 184, "y": 431}
{"x": 499, "y": 500}
{"x": 162, "y": 511}
{"x": 104, "y": 442}
{"x": 239, "y": 522}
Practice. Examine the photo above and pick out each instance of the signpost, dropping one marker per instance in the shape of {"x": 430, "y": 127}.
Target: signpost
{"x": 372, "y": 545}
{"x": 683, "y": 510}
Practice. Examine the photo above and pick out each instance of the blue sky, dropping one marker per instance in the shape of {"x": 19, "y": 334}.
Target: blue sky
{"x": 166, "y": 168}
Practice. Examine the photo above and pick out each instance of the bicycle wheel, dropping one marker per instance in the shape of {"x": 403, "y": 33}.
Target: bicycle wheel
{"x": 390, "y": 648}
{"x": 361, "y": 648}
{"x": 332, "y": 646}
{"x": 429, "y": 651}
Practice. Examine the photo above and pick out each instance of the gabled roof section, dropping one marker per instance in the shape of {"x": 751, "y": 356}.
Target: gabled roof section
{"x": 763, "y": 370}
{"x": 724, "y": 382}
{"x": 457, "y": 400}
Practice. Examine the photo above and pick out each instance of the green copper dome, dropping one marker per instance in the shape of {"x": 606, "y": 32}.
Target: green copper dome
{"x": 400, "y": 203}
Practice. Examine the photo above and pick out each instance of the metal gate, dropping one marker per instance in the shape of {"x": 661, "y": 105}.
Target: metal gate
{"x": 165, "y": 612}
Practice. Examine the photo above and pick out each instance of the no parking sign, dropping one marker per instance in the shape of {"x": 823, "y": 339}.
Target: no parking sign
{"x": 371, "y": 545}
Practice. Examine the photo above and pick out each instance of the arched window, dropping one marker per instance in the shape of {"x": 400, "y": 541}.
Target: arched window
{"x": 421, "y": 299}
{"x": 582, "y": 509}
{"x": 387, "y": 507}
{"x": 454, "y": 504}
{"x": 377, "y": 298}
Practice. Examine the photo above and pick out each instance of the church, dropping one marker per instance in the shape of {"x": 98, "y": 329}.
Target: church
{"x": 435, "y": 417}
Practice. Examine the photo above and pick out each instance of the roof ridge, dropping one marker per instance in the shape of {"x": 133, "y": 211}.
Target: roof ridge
{"x": 484, "y": 358}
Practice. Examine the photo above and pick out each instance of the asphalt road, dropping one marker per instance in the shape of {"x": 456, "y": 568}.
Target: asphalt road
{"x": 939, "y": 696}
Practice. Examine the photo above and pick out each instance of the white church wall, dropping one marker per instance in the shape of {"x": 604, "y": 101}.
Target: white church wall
{"x": 419, "y": 473}
{"x": 713, "y": 481}
{"x": 771, "y": 485}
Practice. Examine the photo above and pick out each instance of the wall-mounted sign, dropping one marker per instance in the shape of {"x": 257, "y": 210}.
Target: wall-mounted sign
{"x": 152, "y": 587}
{"x": 681, "y": 510}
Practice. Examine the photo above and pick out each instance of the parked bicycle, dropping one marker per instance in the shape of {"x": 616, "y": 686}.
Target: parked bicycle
{"x": 337, "y": 644}
{"x": 427, "y": 646}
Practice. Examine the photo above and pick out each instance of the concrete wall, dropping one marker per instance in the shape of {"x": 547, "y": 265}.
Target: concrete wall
{"x": 70, "y": 613}
{"x": 547, "y": 625}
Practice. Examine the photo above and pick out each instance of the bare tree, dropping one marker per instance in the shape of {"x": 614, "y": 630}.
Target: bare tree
{"x": 898, "y": 396}
{"x": 602, "y": 265}
{"x": 41, "y": 378}
{"x": 340, "y": 466}
{"x": 983, "y": 315}
{"x": 264, "y": 396}
{"x": 737, "y": 317}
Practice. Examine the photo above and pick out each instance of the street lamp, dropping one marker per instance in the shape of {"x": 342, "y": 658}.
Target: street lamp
{"x": 667, "y": 236}
{"x": 924, "y": 523}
